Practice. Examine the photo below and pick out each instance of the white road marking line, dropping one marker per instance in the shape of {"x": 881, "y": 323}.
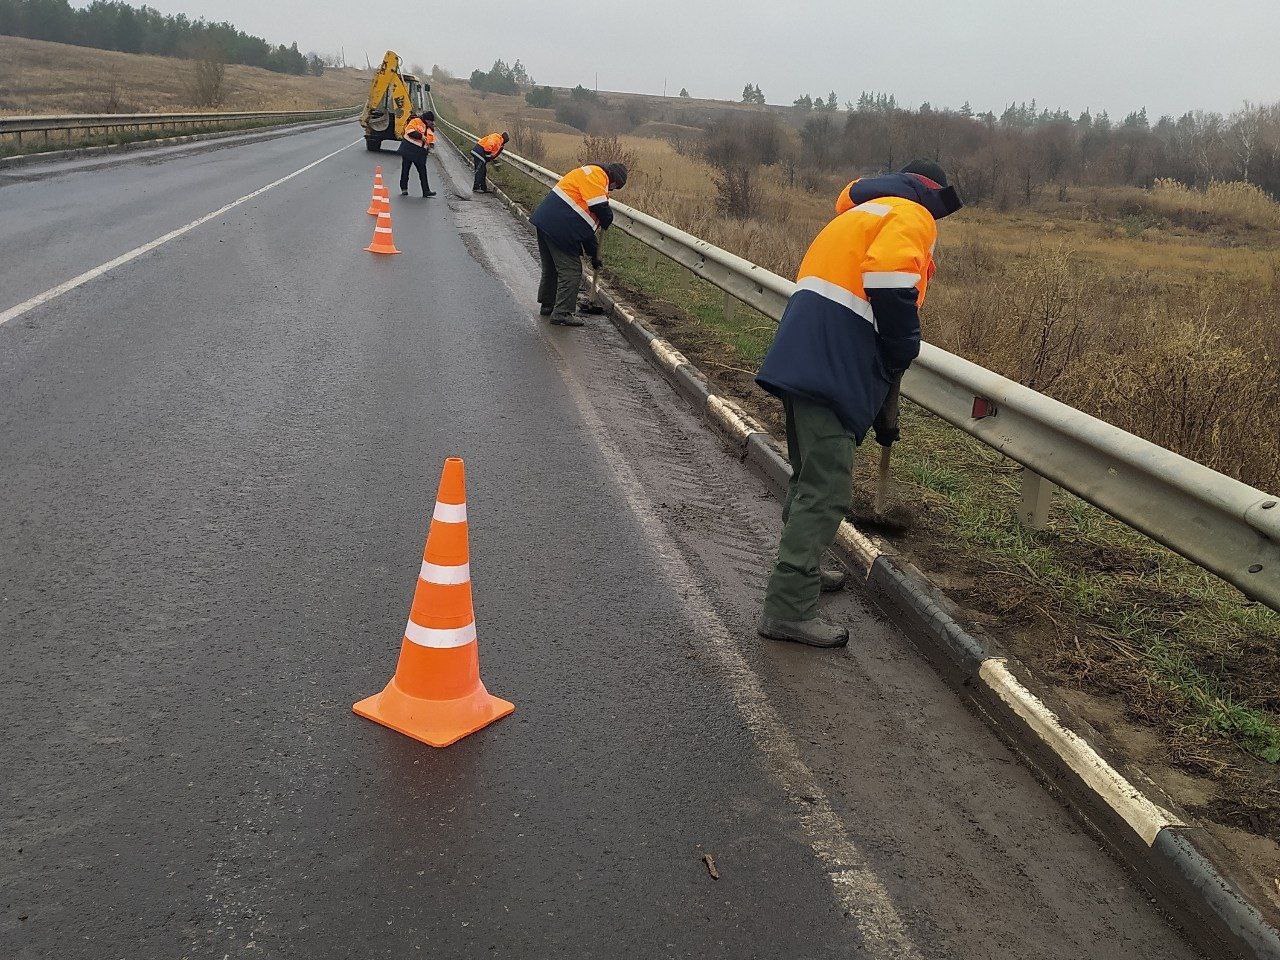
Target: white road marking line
{"x": 853, "y": 879}
{"x": 16, "y": 311}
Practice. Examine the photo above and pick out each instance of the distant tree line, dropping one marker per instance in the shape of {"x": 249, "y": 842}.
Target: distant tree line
{"x": 501, "y": 78}
{"x": 1006, "y": 157}
{"x": 109, "y": 25}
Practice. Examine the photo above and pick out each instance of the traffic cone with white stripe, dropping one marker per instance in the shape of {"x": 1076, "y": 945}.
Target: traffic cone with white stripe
{"x": 436, "y": 695}
{"x": 381, "y": 199}
{"x": 382, "y": 241}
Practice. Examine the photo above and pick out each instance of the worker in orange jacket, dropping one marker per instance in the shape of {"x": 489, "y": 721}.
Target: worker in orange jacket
{"x": 413, "y": 153}
{"x": 484, "y": 153}
{"x": 567, "y": 222}
{"x": 848, "y": 334}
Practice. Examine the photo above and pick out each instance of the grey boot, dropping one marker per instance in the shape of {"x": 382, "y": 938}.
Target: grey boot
{"x": 832, "y": 579}
{"x": 814, "y": 633}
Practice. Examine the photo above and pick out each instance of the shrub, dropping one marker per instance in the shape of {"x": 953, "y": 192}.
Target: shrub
{"x": 540, "y": 97}
{"x": 575, "y": 115}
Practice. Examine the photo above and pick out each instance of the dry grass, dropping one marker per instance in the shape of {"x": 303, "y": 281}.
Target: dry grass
{"x": 41, "y": 77}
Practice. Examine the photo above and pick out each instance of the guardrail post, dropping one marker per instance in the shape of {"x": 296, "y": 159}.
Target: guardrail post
{"x": 730, "y": 307}
{"x": 1037, "y": 498}
{"x": 651, "y": 261}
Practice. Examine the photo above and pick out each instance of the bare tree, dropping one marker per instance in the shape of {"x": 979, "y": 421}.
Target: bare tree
{"x": 206, "y": 82}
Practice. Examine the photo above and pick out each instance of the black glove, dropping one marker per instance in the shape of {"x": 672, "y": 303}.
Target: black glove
{"x": 886, "y": 422}
{"x": 596, "y": 263}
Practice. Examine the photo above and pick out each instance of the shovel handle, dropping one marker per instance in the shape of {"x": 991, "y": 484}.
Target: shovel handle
{"x": 882, "y": 480}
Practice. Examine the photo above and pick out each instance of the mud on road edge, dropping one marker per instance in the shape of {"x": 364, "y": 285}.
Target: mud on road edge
{"x": 1177, "y": 861}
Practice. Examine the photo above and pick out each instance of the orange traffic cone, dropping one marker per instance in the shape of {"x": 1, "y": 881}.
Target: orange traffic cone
{"x": 436, "y": 695}
{"x": 381, "y": 199}
{"x": 382, "y": 241}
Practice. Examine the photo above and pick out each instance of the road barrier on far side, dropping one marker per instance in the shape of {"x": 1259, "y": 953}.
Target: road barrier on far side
{"x": 1227, "y": 527}
{"x": 92, "y": 124}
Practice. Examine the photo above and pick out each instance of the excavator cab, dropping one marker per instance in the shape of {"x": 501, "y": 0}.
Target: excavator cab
{"x": 393, "y": 96}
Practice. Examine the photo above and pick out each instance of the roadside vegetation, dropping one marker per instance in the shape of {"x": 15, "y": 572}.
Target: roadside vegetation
{"x": 1152, "y": 301}
{"x": 38, "y": 77}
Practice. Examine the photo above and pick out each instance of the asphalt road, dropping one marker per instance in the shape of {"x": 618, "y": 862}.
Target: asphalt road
{"x": 217, "y": 461}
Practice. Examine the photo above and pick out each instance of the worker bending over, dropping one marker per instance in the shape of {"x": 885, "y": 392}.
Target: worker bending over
{"x": 849, "y": 332}
{"x": 417, "y": 141}
{"x": 567, "y": 221}
{"x": 483, "y": 153}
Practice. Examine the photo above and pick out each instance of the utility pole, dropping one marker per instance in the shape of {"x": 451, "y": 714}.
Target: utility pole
{"x": 597, "y": 81}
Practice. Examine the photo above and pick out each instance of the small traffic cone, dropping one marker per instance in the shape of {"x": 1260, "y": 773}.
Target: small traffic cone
{"x": 436, "y": 695}
{"x": 382, "y": 241}
{"x": 381, "y": 199}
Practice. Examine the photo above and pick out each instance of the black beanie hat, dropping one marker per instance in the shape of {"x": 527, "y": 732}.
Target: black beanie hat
{"x": 617, "y": 174}
{"x": 929, "y": 169}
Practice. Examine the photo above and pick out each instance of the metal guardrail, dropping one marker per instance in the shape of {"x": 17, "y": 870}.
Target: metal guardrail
{"x": 1227, "y": 527}
{"x": 91, "y": 122}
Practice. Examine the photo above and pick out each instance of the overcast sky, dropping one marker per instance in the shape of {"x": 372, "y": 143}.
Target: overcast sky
{"x": 1116, "y": 55}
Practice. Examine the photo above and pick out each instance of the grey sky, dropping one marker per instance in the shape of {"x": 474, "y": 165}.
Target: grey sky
{"x": 1112, "y": 54}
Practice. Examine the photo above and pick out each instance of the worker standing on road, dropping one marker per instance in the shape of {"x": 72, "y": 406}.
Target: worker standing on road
{"x": 567, "y": 220}
{"x": 849, "y": 332}
{"x": 413, "y": 153}
{"x": 484, "y": 153}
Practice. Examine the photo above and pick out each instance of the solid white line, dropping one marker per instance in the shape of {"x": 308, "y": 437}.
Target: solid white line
{"x": 17, "y": 311}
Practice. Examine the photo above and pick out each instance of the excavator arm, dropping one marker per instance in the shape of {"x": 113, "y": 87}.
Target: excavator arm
{"x": 387, "y": 110}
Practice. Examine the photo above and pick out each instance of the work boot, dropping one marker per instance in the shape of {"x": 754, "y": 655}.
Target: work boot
{"x": 832, "y": 579}
{"x": 429, "y": 193}
{"x": 814, "y": 633}
{"x": 544, "y": 311}
{"x": 572, "y": 320}
{"x": 404, "y": 193}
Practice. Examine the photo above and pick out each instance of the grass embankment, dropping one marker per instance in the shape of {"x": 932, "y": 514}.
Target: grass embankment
{"x": 39, "y": 77}
{"x": 1173, "y": 665}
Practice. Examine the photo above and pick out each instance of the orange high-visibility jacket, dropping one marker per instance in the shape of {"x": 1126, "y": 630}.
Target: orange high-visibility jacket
{"x": 431, "y": 137}
{"x": 416, "y": 130}
{"x": 490, "y": 146}
{"x": 576, "y": 206}
{"x": 852, "y": 327}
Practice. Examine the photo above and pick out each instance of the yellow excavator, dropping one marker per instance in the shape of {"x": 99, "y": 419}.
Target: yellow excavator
{"x": 393, "y": 95}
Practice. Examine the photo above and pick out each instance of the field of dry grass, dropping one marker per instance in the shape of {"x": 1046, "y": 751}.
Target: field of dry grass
{"x": 38, "y": 77}
{"x": 1158, "y": 310}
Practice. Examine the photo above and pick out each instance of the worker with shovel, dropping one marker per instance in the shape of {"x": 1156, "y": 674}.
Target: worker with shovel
{"x": 413, "y": 153}
{"x": 567, "y": 221}
{"x": 484, "y": 153}
{"x": 849, "y": 332}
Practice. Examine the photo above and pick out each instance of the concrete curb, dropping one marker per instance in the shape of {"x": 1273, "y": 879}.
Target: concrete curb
{"x": 1177, "y": 861}
{"x": 250, "y": 135}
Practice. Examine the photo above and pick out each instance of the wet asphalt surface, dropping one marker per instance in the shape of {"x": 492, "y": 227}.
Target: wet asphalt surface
{"x": 216, "y": 469}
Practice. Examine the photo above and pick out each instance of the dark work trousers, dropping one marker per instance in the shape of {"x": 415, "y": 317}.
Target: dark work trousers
{"x": 481, "y": 162}
{"x": 421, "y": 164}
{"x": 821, "y": 451}
{"x": 561, "y": 278}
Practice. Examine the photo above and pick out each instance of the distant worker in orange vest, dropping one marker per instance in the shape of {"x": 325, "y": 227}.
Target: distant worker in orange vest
{"x": 413, "y": 153}
{"x": 848, "y": 334}
{"x": 567, "y": 221}
{"x": 484, "y": 153}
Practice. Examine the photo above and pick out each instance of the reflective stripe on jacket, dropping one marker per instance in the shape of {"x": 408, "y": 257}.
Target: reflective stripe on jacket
{"x": 490, "y": 146}
{"x": 575, "y": 207}
{"x": 852, "y": 327}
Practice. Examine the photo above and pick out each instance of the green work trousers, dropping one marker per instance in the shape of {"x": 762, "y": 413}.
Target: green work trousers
{"x": 821, "y": 453}
{"x": 561, "y": 279}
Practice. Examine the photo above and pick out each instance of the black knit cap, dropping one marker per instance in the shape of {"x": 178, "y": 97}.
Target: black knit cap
{"x": 617, "y": 174}
{"x": 929, "y": 169}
